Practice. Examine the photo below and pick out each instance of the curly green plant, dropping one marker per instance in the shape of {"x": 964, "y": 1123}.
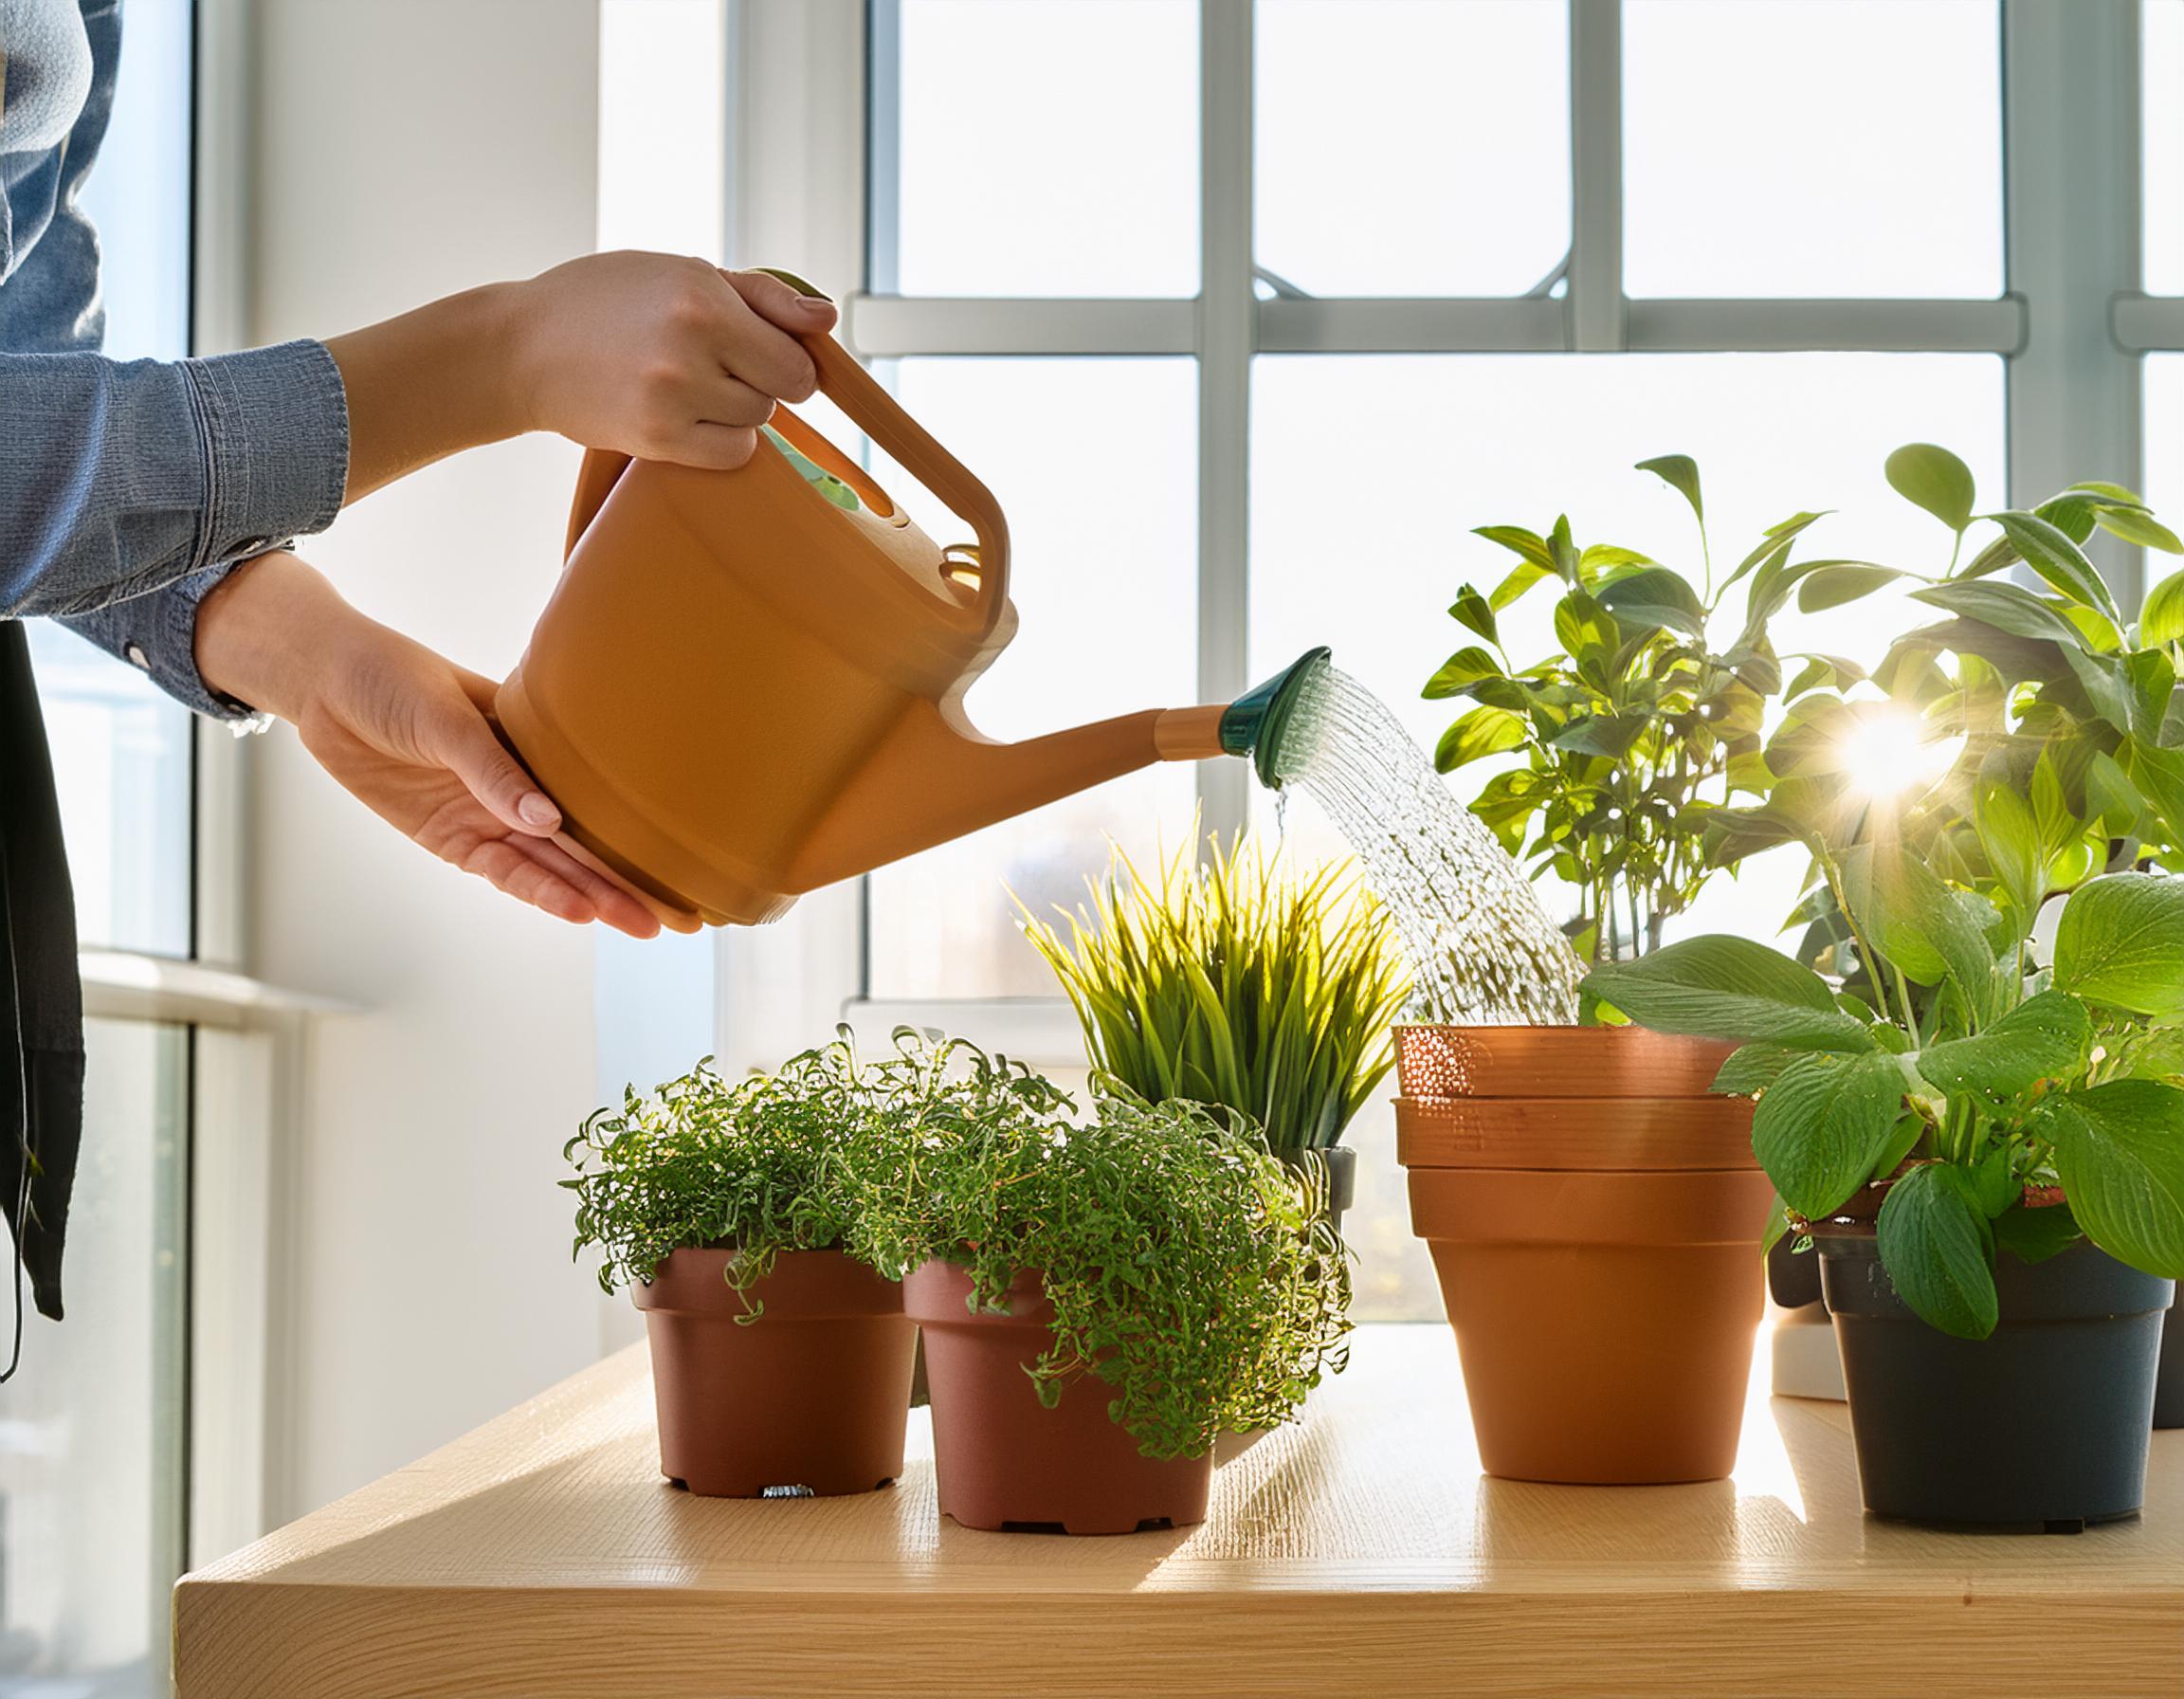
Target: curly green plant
{"x": 763, "y": 1164}
{"x": 1191, "y": 1274}
{"x": 1229, "y": 981}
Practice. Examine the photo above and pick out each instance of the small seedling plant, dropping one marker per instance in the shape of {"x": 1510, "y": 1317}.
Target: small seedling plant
{"x": 1193, "y": 1280}
{"x": 1228, "y": 980}
{"x": 760, "y": 1165}
{"x": 1630, "y": 732}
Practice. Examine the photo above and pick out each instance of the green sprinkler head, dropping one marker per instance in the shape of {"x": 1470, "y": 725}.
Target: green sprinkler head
{"x": 1255, "y": 721}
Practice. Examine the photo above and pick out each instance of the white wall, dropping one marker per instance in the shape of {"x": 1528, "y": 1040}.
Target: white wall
{"x": 405, "y": 149}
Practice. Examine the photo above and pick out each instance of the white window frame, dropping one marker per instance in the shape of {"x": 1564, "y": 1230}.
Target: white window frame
{"x": 812, "y": 162}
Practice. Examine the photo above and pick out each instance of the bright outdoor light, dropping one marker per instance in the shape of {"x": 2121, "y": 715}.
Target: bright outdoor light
{"x": 1891, "y": 753}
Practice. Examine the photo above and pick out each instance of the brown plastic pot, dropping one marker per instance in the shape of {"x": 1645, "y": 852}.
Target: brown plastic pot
{"x": 1007, "y": 1462}
{"x": 809, "y": 1399}
{"x": 1593, "y": 1214}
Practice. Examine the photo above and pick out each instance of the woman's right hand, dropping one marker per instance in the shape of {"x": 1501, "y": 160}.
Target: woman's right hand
{"x": 661, "y": 358}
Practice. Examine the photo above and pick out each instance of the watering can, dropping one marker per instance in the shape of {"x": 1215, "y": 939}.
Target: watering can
{"x": 750, "y": 684}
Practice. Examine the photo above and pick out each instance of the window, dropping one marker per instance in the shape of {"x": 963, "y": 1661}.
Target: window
{"x": 95, "y": 1504}
{"x": 1455, "y": 262}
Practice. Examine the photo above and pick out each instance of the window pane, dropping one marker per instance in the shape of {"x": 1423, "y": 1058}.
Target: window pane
{"x": 2164, "y": 446}
{"x": 1102, "y": 502}
{"x": 1043, "y": 150}
{"x": 91, "y": 1430}
{"x": 1519, "y": 439}
{"x": 1813, "y": 148}
{"x": 1413, "y": 147}
{"x": 120, "y": 748}
{"x": 2162, "y": 49}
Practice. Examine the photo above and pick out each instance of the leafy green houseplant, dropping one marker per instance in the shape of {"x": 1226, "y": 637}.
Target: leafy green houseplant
{"x": 1101, "y": 1297}
{"x": 1229, "y": 981}
{"x": 1630, "y": 731}
{"x": 781, "y": 1362}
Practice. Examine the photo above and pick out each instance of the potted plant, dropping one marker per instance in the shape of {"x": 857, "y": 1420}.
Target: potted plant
{"x": 780, "y": 1362}
{"x": 2068, "y": 750}
{"x": 2014, "y": 1098}
{"x": 1589, "y": 1206}
{"x": 1229, "y": 981}
{"x": 1100, "y": 1299}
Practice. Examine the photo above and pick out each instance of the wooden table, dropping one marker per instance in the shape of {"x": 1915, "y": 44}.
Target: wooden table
{"x": 1357, "y": 1555}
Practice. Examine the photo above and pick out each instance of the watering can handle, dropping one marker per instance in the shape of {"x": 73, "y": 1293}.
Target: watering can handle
{"x": 859, "y": 394}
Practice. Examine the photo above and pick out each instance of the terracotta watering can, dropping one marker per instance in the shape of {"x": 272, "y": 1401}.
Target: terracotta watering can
{"x": 749, "y": 684}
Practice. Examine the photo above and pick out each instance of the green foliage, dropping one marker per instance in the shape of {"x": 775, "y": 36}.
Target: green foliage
{"x": 1229, "y": 981}
{"x": 1191, "y": 1275}
{"x": 1632, "y": 733}
{"x": 762, "y": 1165}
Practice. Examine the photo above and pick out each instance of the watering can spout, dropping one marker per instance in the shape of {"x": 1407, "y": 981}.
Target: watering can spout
{"x": 935, "y": 777}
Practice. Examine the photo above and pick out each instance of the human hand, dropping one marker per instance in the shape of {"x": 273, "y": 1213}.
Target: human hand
{"x": 401, "y": 729}
{"x": 661, "y": 358}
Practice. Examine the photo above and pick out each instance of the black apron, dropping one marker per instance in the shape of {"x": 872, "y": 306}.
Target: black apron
{"x": 40, "y": 997}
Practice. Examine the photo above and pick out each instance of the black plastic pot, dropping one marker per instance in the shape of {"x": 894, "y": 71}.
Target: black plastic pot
{"x": 2169, "y": 1377}
{"x": 2043, "y": 1427}
{"x": 1342, "y": 1181}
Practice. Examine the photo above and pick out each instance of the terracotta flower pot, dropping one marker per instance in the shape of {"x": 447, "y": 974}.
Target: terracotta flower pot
{"x": 1006, "y": 1461}
{"x": 810, "y": 1398}
{"x": 1594, "y": 1215}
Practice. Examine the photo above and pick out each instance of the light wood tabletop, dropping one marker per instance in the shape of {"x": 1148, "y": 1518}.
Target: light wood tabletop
{"x": 1358, "y": 1554}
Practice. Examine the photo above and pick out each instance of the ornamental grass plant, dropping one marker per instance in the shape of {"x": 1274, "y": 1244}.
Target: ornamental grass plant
{"x": 1233, "y": 981}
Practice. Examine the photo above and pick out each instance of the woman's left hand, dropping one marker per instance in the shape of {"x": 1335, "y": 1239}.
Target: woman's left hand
{"x": 402, "y": 730}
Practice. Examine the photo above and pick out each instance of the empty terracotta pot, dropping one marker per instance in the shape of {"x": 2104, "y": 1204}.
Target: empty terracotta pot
{"x": 1594, "y": 1215}
{"x": 1007, "y": 1462}
{"x": 811, "y": 1398}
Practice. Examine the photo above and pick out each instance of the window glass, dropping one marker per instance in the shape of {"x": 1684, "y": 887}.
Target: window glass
{"x": 1413, "y": 147}
{"x": 2164, "y": 448}
{"x": 1041, "y": 150}
{"x": 120, "y": 748}
{"x": 1809, "y": 148}
{"x": 91, "y": 1429}
{"x": 2162, "y": 60}
{"x": 1347, "y": 551}
{"x": 1095, "y": 463}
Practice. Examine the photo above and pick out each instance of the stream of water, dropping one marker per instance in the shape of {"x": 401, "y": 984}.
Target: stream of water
{"x": 1482, "y": 950}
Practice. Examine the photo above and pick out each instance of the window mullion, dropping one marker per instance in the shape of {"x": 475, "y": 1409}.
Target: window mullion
{"x": 1598, "y": 319}
{"x": 2071, "y": 168}
{"x": 1228, "y": 315}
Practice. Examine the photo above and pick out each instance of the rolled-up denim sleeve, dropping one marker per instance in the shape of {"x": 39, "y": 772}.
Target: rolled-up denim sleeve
{"x": 128, "y": 489}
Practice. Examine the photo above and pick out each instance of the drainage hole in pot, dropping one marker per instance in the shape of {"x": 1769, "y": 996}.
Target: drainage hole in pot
{"x": 792, "y": 1492}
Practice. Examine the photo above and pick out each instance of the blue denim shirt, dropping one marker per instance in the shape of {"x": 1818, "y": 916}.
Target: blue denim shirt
{"x": 128, "y": 489}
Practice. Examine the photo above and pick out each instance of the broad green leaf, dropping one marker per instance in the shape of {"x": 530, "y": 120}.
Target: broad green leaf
{"x": 1607, "y": 734}
{"x": 1466, "y": 667}
{"x": 1584, "y": 629}
{"x": 1483, "y": 731}
{"x": 1819, "y": 1127}
{"x": 1833, "y": 672}
{"x": 1679, "y": 471}
{"x": 1831, "y": 586}
{"x": 2008, "y": 607}
{"x": 1519, "y": 579}
{"x": 1474, "y": 611}
{"x": 1903, "y": 1138}
{"x": 2156, "y": 1055}
{"x": 1518, "y": 540}
{"x": 1655, "y": 596}
{"x": 1929, "y": 476}
{"x": 1925, "y": 928}
{"x": 2002, "y": 820}
{"x": 2122, "y": 942}
{"x": 2046, "y": 1037}
{"x": 1777, "y": 1224}
{"x": 2112, "y": 798}
{"x": 2033, "y": 1236}
{"x": 2161, "y": 615}
{"x": 1776, "y": 542}
{"x": 2051, "y": 554}
{"x": 2153, "y": 683}
{"x": 2106, "y": 684}
{"x": 1561, "y": 551}
{"x": 1723, "y": 987}
{"x": 1752, "y": 1067}
{"x": 2120, "y": 1154}
{"x": 2157, "y": 774}
{"x": 1938, "y": 1251}
{"x": 2137, "y": 526}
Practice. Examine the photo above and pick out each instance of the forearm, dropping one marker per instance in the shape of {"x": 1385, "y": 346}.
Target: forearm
{"x": 432, "y": 382}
